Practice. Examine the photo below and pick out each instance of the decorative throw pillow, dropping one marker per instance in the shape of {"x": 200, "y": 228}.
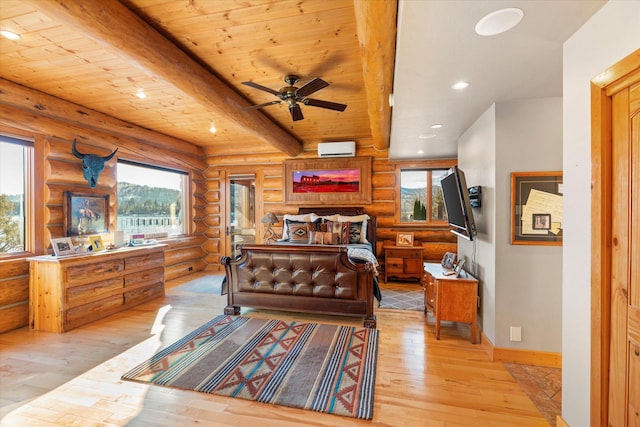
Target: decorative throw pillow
{"x": 357, "y": 218}
{"x": 355, "y": 232}
{"x": 322, "y": 238}
{"x": 288, "y": 218}
{"x": 299, "y": 233}
{"x": 330, "y": 238}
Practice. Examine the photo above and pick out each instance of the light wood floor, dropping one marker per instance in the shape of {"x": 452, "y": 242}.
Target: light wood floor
{"x": 73, "y": 379}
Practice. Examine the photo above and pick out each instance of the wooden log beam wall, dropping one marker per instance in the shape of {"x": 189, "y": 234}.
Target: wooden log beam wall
{"x": 376, "y": 22}
{"x": 111, "y": 24}
{"x": 42, "y": 104}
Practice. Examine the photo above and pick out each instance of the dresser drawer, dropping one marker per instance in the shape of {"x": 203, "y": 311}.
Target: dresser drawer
{"x": 404, "y": 253}
{"x": 81, "y": 274}
{"x": 413, "y": 265}
{"x": 87, "y": 313}
{"x": 394, "y": 265}
{"x": 143, "y": 262}
{"x": 145, "y": 277}
{"x": 83, "y": 294}
{"x": 143, "y": 294}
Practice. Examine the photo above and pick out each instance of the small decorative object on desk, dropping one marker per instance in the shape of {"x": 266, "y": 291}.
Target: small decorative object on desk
{"x": 459, "y": 267}
{"x": 63, "y": 246}
{"x": 448, "y": 259}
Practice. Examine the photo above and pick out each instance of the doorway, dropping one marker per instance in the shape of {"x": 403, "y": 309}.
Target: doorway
{"x": 241, "y": 227}
{"x": 615, "y": 251}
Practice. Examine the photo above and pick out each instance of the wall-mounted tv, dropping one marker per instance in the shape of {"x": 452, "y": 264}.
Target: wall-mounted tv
{"x": 457, "y": 204}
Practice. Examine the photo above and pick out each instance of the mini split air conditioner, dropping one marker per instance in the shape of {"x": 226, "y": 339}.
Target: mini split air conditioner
{"x": 337, "y": 149}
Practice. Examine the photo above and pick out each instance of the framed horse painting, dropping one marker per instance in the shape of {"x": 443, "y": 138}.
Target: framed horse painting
{"x": 86, "y": 214}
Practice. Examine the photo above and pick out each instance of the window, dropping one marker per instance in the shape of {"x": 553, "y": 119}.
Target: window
{"x": 151, "y": 199}
{"x": 16, "y": 156}
{"x": 421, "y": 198}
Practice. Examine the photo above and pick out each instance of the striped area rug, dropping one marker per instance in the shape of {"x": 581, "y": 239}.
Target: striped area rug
{"x": 324, "y": 368}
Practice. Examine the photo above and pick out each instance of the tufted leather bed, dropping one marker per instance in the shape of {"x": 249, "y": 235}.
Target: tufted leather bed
{"x": 307, "y": 278}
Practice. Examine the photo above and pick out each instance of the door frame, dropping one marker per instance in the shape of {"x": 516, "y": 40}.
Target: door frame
{"x": 226, "y": 174}
{"x": 602, "y": 88}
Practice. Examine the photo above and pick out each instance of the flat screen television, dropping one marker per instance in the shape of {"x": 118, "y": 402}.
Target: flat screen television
{"x": 458, "y": 204}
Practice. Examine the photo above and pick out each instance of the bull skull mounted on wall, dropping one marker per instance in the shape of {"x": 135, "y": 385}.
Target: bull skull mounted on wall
{"x": 92, "y": 164}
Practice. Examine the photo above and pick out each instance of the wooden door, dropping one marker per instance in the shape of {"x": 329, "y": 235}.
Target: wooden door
{"x": 616, "y": 251}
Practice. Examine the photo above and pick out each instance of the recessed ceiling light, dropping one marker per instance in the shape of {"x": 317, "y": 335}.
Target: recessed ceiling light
{"x": 427, "y": 136}
{"x": 499, "y": 21}
{"x": 436, "y": 126}
{"x": 213, "y": 129}
{"x": 420, "y": 151}
{"x": 460, "y": 85}
{"x": 141, "y": 94}
{"x": 10, "y": 35}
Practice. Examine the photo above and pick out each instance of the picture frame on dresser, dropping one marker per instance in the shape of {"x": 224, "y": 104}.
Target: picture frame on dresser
{"x": 85, "y": 214}
{"x": 62, "y": 246}
{"x": 404, "y": 239}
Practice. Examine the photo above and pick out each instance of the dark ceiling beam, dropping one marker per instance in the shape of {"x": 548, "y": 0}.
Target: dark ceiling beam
{"x": 117, "y": 28}
{"x": 376, "y": 26}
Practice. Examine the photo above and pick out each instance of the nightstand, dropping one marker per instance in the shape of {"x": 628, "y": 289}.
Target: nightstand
{"x": 403, "y": 262}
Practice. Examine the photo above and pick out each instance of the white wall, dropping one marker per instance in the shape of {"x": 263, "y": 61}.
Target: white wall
{"x": 520, "y": 285}
{"x": 528, "y": 277}
{"x": 476, "y": 157}
{"x": 610, "y": 35}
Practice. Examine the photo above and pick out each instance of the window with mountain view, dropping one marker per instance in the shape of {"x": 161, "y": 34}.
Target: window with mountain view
{"x": 151, "y": 199}
{"x": 421, "y": 199}
{"x": 15, "y": 160}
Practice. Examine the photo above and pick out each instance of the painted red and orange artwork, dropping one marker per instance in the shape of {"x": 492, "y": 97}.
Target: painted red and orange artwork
{"x": 327, "y": 181}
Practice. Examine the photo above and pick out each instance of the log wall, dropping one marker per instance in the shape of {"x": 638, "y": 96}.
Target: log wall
{"x": 269, "y": 198}
{"x": 58, "y": 171}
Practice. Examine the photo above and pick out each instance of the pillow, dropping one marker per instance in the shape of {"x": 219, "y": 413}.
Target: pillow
{"x": 357, "y": 218}
{"x": 299, "y": 232}
{"x": 322, "y": 238}
{"x": 323, "y": 219}
{"x": 285, "y": 226}
{"x": 355, "y": 232}
{"x": 340, "y": 230}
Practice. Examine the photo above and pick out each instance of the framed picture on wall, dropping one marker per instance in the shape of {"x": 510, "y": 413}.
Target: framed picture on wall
{"x": 86, "y": 214}
{"x": 536, "y": 208}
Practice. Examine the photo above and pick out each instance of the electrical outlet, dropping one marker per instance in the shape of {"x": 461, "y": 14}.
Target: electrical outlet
{"x": 515, "y": 333}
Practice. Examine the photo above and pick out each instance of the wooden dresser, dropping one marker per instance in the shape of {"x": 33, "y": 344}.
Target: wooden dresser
{"x": 451, "y": 298}
{"x": 403, "y": 262}
{"x": 67, "y": 292}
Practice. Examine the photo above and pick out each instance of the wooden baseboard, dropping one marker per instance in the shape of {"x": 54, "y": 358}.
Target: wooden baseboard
{"x": 525, "y": 357}
{"x": 560, "y": 422}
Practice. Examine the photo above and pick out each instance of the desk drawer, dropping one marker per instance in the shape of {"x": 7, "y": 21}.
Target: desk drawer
{"x": 83, "y": 294}
{"x": 404, "y": 253}
{"x": 146, "y": 261}
{"x": 394, "y": 265}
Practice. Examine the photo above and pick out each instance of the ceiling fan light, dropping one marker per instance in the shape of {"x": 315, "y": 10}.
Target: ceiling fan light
{"x": 499, "y": 21}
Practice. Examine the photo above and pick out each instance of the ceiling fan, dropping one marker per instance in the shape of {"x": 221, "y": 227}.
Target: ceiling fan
{"x": 295, "y": 96}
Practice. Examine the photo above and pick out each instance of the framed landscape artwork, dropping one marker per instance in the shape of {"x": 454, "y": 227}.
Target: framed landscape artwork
{"x": 86, "y": 214}
{"x": 337, "y": 181}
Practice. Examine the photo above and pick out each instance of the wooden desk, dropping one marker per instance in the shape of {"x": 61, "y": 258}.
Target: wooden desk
{"x": 403, "y": 262}
{"x": 451, "y": 298}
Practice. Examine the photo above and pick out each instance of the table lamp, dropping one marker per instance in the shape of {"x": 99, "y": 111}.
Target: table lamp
{"x": 269, "y": 235}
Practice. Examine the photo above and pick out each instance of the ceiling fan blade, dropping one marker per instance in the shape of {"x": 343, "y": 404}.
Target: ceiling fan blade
{"x": 311, "y": 87}
{"x": 325, "y": 104}
{"x": 264, "y": 88}
{"x": 296, "y": 112}
{"x": 255, "y": 107}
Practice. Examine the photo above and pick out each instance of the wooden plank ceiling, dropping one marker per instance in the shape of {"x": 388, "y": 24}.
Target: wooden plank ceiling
{"x": 190, "y": 57}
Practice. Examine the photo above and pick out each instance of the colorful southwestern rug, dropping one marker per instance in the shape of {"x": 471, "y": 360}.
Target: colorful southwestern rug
{"x": 319, "y": 367}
